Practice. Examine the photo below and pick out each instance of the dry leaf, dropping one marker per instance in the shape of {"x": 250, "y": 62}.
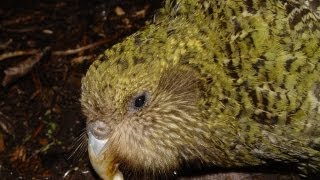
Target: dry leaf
{"x": 43, "y": 141}
{"x": 119, "y": 11}
{"x": 19, "y": 154}
{"x": 142, "y": 12}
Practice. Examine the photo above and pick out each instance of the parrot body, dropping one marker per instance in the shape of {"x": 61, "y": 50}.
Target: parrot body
{"x": 218, "y": 83}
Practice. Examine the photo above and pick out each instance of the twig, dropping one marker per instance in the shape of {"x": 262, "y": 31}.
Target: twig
{"x": 80, "y": 59}
{"x": 17, "y": 53}
{"x": 74, "y": 51}
{"x": 23, "y": 30}
{"x": 5, "y": 124}
{"x": 56, "y": 53}
{"x": 21, "y": 69}
{"x": 6, "y": 44}
{"x": 23, "y": 19}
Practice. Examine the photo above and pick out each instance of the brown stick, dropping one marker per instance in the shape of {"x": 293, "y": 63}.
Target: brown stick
{"x": 17, "y": 53}
{"x": 80, "y": 59}
{"x": 56, "y": 53}
{"x": 74, "y": 51}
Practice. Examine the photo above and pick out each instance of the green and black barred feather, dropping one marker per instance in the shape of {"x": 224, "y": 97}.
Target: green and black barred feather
{"x": 226, "y": 83}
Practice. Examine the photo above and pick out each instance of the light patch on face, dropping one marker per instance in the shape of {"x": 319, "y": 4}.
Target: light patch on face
{"x": 96, "y": 145}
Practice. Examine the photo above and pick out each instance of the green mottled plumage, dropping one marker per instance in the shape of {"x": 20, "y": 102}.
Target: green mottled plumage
{"x": 231, "y": 83}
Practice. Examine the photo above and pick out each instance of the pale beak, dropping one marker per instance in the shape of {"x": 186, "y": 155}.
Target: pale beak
{"x": 96, "y": 145}
{"x": 102, "y": 162}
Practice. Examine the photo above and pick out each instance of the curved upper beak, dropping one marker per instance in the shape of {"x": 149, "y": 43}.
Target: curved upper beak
{"x": 101, "y": 161}
{"x": 96, "y": 145}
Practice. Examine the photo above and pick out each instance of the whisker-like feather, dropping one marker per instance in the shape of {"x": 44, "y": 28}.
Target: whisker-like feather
{"x": 79, "y": 146}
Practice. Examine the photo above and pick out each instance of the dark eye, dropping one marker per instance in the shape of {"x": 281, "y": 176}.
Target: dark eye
{"x": 140, "y": 101}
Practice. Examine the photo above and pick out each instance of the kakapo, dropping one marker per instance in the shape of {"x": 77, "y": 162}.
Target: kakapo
{"x": 218, "y": 83}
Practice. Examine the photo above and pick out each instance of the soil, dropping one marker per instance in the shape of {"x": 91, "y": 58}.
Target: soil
{"x": 45, "y": 49}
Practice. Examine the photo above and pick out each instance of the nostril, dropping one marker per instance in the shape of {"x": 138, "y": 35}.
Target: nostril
{"x": 98, "y": 129}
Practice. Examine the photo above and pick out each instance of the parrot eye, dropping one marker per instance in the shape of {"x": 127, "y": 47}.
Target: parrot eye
{"x": 139, "y": 101}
